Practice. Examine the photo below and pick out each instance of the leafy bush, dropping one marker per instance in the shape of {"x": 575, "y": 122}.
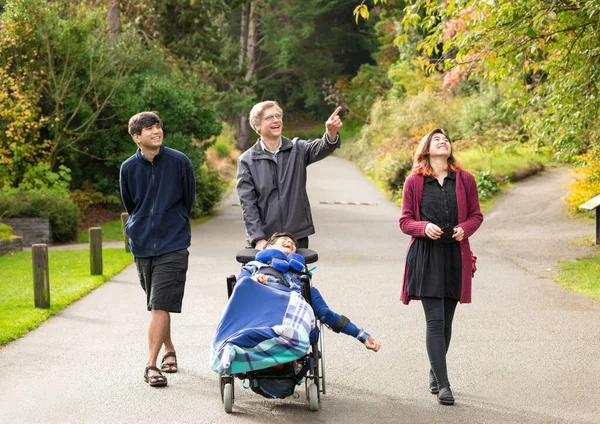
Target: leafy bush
{"x": 359, "y": 93}
{"x": 222, "y": 148}
{"x": 61, "y": 211}
{"x": 209, "y": 186}
{"x": 391, "y": 172}
{"x": 81, "y": 121}
{"x": 487, "y": 185}
{"x": 41, "y": 179}
{"x": 182, "y": 100}
{"x": 209, "y": 183}
{"x": 485, "y": 110}
{"x": 86, "y": 198}
{"x": 5, "y": 232}
{"x": 224, "y": 143}
{"x": 586, "y": 184}
{"x": 402, "y": 122}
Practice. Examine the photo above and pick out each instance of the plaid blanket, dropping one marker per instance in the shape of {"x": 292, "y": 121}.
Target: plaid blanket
{"x": 261, "y": 327}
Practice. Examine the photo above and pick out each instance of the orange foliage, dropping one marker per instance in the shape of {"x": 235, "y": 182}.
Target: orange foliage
{"x": 20, "y": 114}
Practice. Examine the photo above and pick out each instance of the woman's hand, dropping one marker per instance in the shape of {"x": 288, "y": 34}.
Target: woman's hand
{"x": 433, "y": 231}
{"x": 260, "y": 278}
{"x": 372, "y": 345}
{"x": 459, "y": 234}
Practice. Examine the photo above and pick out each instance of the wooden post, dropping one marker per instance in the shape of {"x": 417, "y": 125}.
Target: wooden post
{"x": 95, "y": 250}
{"x": 598, "y": 225}
{"x": 124, "y": 218}
{"x": 41, "y": 275}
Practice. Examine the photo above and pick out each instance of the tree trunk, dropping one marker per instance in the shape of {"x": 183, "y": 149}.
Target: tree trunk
{"x": 252, "y": 40}
{"x": 244, "y": 35}
{"x": 114, "y": 18}
{"x": 242, "y": 132}
{"x": 248, "y": 58}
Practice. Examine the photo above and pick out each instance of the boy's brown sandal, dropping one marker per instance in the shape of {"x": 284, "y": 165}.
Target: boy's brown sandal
{"x": 154, "y": 380}
{"x": 169, "y": 367}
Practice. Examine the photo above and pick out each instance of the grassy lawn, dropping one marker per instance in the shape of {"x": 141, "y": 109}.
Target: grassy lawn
{"x": 581, "y": 275}
{"x": 111, "y": 231}
{"x": 504, "y": 162}
{"x": 70, "y": 279}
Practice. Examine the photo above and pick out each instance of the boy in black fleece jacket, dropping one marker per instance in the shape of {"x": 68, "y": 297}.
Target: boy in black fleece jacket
{"x": 158, "y": 189}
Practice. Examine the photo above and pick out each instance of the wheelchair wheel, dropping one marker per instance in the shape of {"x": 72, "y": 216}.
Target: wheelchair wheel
{"x": 313, "y": 397}
{"x": 227, "y": 392}
{"x": 228, "y": 397}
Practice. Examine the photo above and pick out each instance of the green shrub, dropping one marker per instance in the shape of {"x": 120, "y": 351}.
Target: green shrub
{"x": 485, "y": 112}
{"x": 487, "y": 185}
{"x": 209, "y": 186}
{"x": 392, "y": 170}
{"x": 61, "y": 211}
{"x": 222, "y": 148}
{"x": 5, "y": 232}
{"x": 186, "y": 145}
{"x": 209, "y": 183}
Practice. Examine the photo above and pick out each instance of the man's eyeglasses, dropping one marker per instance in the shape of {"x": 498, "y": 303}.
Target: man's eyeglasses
{"x": 270, "y": 118}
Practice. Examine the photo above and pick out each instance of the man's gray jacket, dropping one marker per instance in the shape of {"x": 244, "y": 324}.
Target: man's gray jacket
{"x": 272, "y": 189}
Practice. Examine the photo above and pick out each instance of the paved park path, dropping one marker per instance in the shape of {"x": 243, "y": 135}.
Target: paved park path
{"x": 525, "y": 351}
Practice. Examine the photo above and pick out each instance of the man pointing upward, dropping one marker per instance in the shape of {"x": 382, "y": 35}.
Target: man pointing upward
{"x": 271, "y": 178}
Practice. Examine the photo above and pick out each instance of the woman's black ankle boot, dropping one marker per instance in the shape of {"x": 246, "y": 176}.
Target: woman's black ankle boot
{"x": 445, "y": 396}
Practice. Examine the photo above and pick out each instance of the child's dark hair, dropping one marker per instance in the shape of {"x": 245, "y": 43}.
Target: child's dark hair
{"x": 142, "y": 120}
{"x": 276, "y": 236}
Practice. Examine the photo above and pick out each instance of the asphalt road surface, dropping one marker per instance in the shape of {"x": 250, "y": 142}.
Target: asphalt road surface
{"x": 525, "y": 351}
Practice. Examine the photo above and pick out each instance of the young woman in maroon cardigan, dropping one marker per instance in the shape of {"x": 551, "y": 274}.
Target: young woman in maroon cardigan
{"x": 440, "y": 211}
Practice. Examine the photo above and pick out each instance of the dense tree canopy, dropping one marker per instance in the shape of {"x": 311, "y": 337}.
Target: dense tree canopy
{"x": 543, "y": 54}
{"x": 73, "y": 72}
{"x": 67, "y": 90}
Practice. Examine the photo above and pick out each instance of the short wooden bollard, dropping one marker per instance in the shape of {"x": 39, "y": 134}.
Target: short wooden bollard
{"x": 124, "y": 218}
{"x": 41, "y": 275}
{"x": 95, "y": 250}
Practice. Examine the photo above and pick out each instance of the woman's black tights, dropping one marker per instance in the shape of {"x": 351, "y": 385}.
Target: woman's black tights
{"x": 439, "y": 314}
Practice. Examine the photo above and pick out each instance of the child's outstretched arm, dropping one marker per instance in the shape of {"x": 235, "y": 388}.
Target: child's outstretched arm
{"x": 340, "y": 323}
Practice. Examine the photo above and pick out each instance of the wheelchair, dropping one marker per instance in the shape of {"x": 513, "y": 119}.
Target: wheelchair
{"x": 281, "y": 381}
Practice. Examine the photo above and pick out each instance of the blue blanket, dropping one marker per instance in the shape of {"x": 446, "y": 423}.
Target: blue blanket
{"x": 261, "y": 327}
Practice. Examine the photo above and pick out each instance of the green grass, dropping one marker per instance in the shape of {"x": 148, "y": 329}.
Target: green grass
{"x": 70, "y": 280}
{"x": 111, "y": 231}
{"x": 581, "y": 275}
{"x": 502, "y": 161}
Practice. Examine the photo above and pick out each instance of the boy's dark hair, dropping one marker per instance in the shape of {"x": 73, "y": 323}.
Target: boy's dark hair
{"x": 143, "y": 120}
{"x": 276, "y": 236}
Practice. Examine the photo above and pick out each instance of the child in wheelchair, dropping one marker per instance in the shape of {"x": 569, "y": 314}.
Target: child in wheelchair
{"x": 279, "y": 266}
{"x": 269, "y": 324}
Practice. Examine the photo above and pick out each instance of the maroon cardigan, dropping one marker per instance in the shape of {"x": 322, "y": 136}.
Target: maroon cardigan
{"x": 469, "y": 219}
